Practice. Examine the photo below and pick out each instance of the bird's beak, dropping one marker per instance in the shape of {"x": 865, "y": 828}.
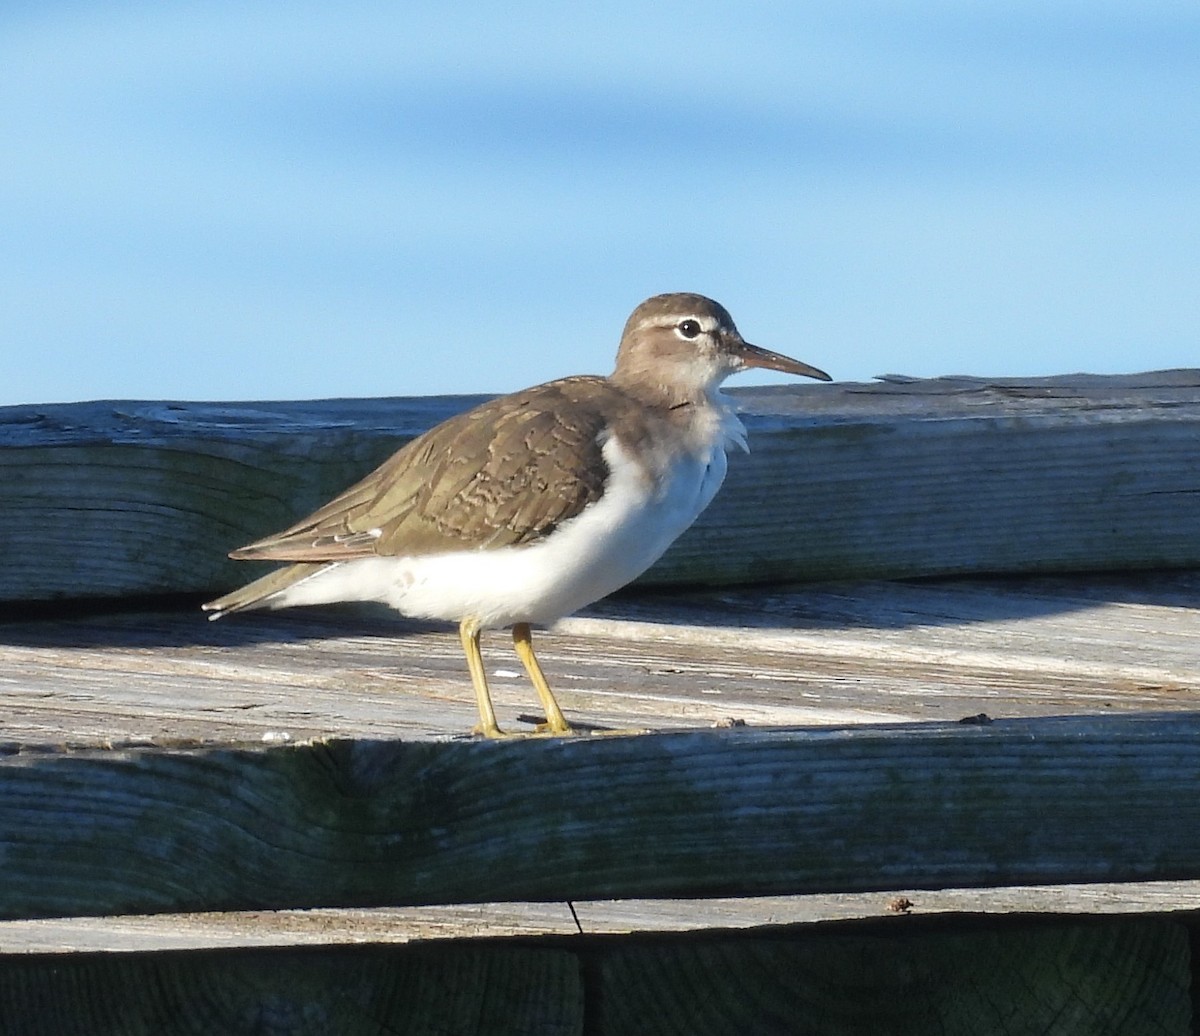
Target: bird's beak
{"x": 754, "y": 356}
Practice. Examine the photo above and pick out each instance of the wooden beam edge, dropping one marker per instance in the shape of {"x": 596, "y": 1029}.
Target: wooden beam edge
{"x": 699, "y": 813}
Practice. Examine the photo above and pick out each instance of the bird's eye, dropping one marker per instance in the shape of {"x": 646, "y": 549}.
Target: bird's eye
{"x": 688, "y": 328}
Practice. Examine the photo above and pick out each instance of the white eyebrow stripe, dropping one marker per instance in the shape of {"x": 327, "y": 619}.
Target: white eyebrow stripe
{"x": 669, "y": 322}
{"x": 707, "y": 323}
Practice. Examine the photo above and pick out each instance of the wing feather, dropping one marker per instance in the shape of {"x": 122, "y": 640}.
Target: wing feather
{"x": 505, "y": 473}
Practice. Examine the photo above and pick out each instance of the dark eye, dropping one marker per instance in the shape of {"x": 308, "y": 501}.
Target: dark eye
{"x": 689, "y": 328}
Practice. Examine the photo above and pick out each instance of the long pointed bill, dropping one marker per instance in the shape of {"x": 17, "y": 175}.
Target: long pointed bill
{"x": 754, "y": 356}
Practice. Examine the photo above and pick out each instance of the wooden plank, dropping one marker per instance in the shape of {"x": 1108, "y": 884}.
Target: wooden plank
{"x": 1124, "y": 978}
{"x": 1117, "y": 978}
{"x": 815, "y": 654}
{"x": 897, "y": 479}
{"x": 1174, "y": 900}
{"x": 731, "y": 812}
{"x": 485, "y": 991}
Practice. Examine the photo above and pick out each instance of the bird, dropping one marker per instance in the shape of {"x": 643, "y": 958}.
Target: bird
{"x": 532, "y": 505}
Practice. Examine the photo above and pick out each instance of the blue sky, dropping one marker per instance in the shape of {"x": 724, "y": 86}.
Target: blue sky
{"x": 253, "y": 200}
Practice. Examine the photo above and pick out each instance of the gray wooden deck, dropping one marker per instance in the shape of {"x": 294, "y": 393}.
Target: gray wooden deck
{"x": 979, "y": 790}
{"x": 832, "y": 653}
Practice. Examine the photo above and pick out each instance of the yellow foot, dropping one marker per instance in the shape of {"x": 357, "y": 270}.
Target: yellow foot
{"x": 541, "y": 730}
{"x": 559, "y": 730}
{"x": 547, "y": 729}
{"x": 491, "y": 731}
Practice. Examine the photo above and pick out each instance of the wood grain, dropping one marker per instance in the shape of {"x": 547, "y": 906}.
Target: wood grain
{"x": 814, "y": 654}
{"x": 1178, "y": 901}
{"x": 1122, "y": 978}
{"x": 897, "y": 479}
{"x": 1106, "y": 978}
{"x": 469, "y": 990}
{"x": 737, "y": 812}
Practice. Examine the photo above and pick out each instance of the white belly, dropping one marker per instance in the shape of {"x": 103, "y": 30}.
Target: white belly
{"x": 607, "y": 545}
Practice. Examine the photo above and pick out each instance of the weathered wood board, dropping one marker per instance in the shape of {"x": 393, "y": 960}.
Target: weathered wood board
{"x": 821, "y": 653}
{"x": 488, "y": 991}
{"x": 1122, "y": 977}
{"x": 1176, "y": 900}
{"x": 827, "y": 653}
{"x": 728, "y": 812}
{"x": 214, "y": 793}
{"x": 1104, "y": 978}
{"x": 831, "y": 653}
{"x": 903, "y": 478}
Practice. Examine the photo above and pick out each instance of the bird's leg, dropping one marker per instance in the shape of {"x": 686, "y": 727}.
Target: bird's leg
{"x": 556, "y": 722}
{"x": 468, "y": 631}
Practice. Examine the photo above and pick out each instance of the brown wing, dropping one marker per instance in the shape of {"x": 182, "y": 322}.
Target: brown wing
{"x": 506, "y": 472}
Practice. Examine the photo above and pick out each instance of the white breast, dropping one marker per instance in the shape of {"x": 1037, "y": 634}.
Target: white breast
{"x": 607, "y": 545}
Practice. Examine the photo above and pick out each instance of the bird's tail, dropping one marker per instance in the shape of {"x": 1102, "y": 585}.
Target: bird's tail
{"x": 265, "y": 592}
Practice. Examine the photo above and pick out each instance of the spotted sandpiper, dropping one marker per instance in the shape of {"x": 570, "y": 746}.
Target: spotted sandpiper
{"x": 534, "y": 504}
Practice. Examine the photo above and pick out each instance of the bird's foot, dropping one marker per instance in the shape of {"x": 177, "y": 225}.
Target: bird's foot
{"x": 547, "y": 728}
{"x": 554, "y": 729}
{"x": 564, "y": 729}
{"x": 540, "y": 730}
{"x": 490, "y": 731}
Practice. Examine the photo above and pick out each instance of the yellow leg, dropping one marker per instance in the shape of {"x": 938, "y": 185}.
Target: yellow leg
{"x": 556, "y": 722}
{"x": 468, "y": 631}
